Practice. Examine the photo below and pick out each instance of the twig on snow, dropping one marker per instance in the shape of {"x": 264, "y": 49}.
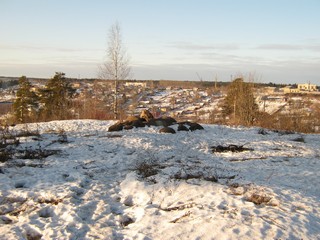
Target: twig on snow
{"x": 272, "y": 221}
{"x": 179, "y": 218}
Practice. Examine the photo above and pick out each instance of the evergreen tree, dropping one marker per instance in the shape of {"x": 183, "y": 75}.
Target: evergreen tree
{"x": 26, "y": 102}
{"x": 239, "y": 104}
{"x": 56, "y": 98}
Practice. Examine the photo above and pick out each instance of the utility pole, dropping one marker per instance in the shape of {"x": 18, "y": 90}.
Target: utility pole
{"x": 215, "y": 82}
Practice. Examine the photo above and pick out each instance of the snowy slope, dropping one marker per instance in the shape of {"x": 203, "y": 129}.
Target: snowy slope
{"x": 92, "y": 187}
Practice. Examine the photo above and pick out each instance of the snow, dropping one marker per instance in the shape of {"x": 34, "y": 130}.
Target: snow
{"x": 91, "y": 188}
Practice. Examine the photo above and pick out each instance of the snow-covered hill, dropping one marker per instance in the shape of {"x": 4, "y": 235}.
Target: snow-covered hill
{"x": 141, "y": 184}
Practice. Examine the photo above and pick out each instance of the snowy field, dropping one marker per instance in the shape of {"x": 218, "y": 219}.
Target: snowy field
{"x": 141, "y": 184}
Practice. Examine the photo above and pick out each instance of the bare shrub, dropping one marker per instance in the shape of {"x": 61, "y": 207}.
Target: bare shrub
{"x": 195, "y": 175}
{"x": 5, "y": 155}
{"x": 38, "y": 153}
{"x": 7, "y": 137}
{"x": 146, "y": 169}
{"x": 147, "y": 166}
{"x": 26, "y": 132}
{"x": 62, "y": 137}
{"x": 262, "y": 131}
{"x": 258, "y": 198}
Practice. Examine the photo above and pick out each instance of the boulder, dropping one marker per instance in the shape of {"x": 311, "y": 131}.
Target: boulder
{"x": 127, "y": 127}
{"x": 138, "y": 123}
{"x": 132, "y": 118}
{"x": 182, "y": 127}
{"x": 164, "y": 121}
{"x": 116, "y": 127}
{"x": 195, "y": 126}
{"x": 146, "y": 115}
{"x": 133, "y": 121}
{"x": 167, "y": 130}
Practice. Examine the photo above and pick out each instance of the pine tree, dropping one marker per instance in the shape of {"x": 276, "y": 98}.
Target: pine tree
{"x": 56, "y": 98}
{"x": 26, "y": 102}
{"x": 239, "y": 104}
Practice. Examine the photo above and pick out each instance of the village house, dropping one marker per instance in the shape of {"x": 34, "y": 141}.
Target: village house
{"x": 136, "y": 84}
{"x": 307, "y": 87}
{"x": 301, "y": 88}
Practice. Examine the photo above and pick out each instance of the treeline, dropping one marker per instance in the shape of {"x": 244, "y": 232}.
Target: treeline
{"x": 240, "y": 108}
{"x": 57, "y": 100}
{"x": 52, "y": 102}
{"x": 8, "y": 84}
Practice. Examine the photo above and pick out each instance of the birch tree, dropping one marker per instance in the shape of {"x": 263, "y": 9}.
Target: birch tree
{"x": 116, "y": 67}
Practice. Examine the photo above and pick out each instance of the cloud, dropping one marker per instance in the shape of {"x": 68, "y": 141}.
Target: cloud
{"x": 199, "y": 47}
{"x": 33, "y": 47}
{"x": 314, "y": 47}
{"x": 289, "y": 47}
{"x": 279, "y": 47}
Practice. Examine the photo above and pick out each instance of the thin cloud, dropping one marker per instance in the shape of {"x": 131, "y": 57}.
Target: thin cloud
{"x": 314, "y": 47}
{"x": 199, "y": 47}
{"x": 286, "y": 47}
{"x": 47, "y": 48}
{"x": 279, "y": 47}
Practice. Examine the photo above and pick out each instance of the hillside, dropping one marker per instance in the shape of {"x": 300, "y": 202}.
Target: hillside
{"x": 76, "y": 180}
{"x": 184, "y": 100}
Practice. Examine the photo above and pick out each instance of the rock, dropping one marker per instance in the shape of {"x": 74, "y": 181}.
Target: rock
{"x": 128, "y": 201}
{"x": 195, "y": 126}
{"x": 138, "y": 123}
{"x": 169, "y": 121}
{"x": 125, "y": 220}
{"x": 167, "y": 130}
{"x": 164, "y": 121}
{"x": 5, "y": 220}
{"x": 131, "y": 119}
{"x": 182, "y": 127}
{"x": 127, "y": 127}
{"x": 116, "y": 127}
{"x": 155, "y": 122}
{"x": 32, "y": 234}
{"x": 147, "y": 115}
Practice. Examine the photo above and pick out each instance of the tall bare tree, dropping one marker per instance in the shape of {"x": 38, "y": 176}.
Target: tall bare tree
{"x": 116, "y": 67}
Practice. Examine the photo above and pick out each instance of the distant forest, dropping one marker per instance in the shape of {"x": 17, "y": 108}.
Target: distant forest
{"x": 6, "y": 82}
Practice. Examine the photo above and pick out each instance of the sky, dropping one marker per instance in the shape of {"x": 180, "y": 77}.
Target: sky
{"x": 270, "y": 41}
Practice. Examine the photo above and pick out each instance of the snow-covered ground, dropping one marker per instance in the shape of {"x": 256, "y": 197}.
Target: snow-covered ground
{"x": 96, "y": 186}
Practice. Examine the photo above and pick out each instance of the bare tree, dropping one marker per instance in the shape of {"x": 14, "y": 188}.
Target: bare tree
{"x": 116, "y": 67}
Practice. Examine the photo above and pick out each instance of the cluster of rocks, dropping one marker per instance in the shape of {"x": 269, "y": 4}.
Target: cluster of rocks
{"x": 146, "y": 119}
{"x": 230, "y": 148}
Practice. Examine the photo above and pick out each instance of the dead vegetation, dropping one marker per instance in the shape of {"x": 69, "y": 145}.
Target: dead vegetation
{"x": 10, "y": 145}
{"x": 147, "y": 168}
{"x": 229, "y": 148}
{"x": 255, "y": 194}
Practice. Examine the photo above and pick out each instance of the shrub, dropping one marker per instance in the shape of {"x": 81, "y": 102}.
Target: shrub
{"x": 5, "y": 155}
{"x": 148, "y": 166}
{"x": 38, "y": 153}
{"x": 146, "y": 169}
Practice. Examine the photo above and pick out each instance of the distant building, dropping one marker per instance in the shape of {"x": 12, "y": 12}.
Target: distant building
{"x": 307, "y": 87}
{"x": 290, "y": 89}
{"x": 136, "y": 84}
{"x": 301, "y": 88}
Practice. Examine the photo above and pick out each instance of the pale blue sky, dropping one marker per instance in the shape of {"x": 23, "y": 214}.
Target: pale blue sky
{"x": 276, "y": 40}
